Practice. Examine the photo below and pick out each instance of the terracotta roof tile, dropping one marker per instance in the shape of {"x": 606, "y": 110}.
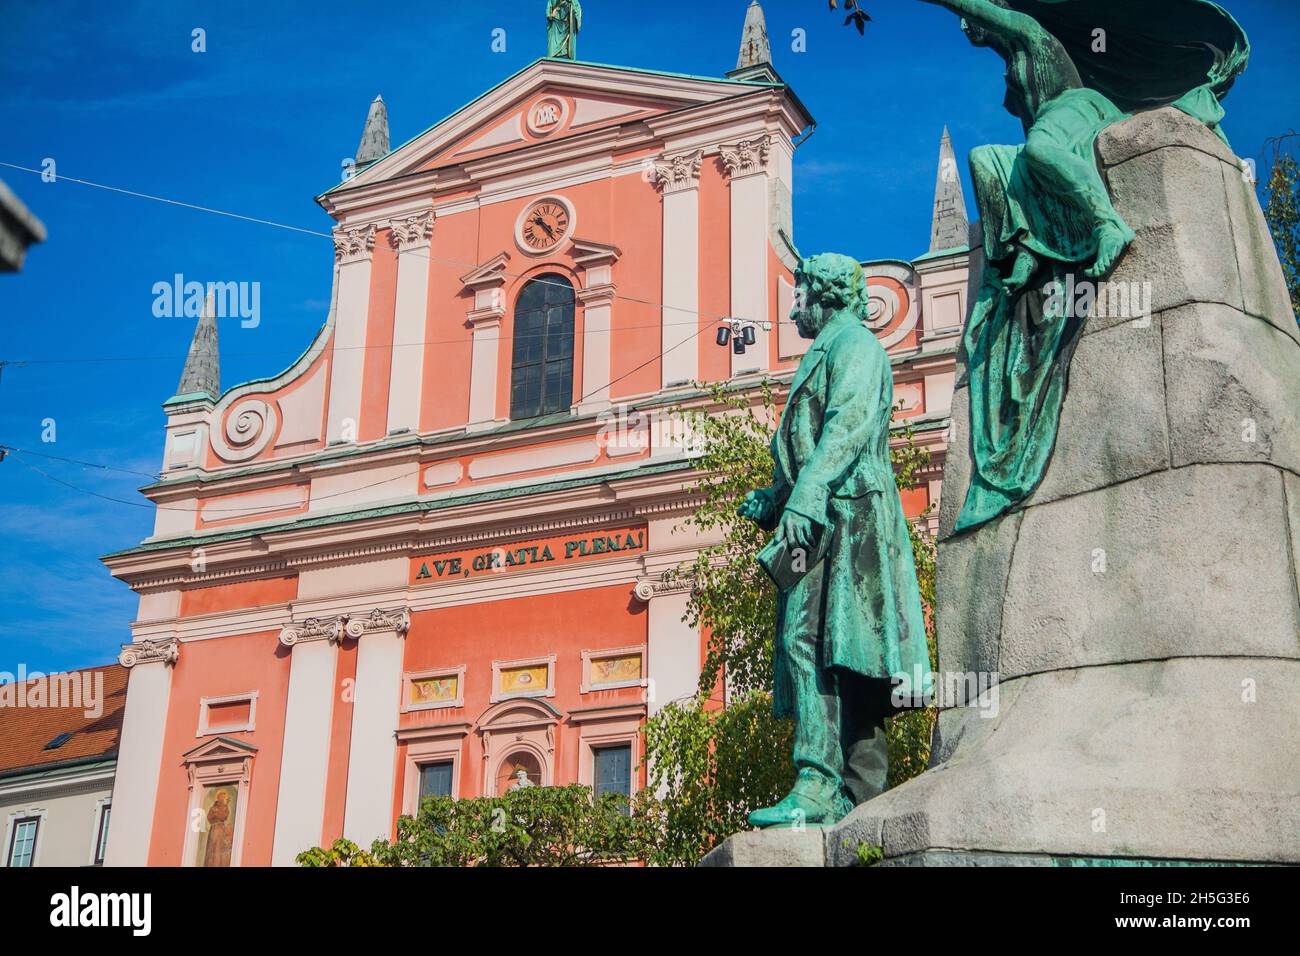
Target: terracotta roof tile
{"x": 24, "y": 731}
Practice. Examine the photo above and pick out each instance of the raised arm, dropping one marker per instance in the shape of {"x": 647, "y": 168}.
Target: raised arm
{"x": 988, "y": 14}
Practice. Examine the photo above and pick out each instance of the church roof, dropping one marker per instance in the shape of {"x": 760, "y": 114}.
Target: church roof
{"x": 533, "y": 78}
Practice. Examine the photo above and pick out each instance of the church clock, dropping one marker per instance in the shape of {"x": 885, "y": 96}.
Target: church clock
{"x": 544, "y": 225}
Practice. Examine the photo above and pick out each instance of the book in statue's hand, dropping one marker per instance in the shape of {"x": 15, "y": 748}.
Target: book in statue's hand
{"x": 786, "y": 562}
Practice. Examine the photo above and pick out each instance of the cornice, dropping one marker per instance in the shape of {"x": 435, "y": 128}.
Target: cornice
{"x": 414, "y": 531}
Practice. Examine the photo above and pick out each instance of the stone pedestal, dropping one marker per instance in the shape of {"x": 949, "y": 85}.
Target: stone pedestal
{"x": 1140, "y": 609}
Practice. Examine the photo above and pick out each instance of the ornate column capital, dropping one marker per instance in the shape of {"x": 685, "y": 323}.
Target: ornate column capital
{"x": 397, "y": 620}
{"x": 652, "y": 586}
{"x": 313, "y": 629}
{"x": 353, "y": 244}
{"x": 679, "y": 172}
{"x": 411, "y": 232}
{"x": 334, "y": 629}
{"x": 166, "y": 651}
{"x": 747, "y": 157}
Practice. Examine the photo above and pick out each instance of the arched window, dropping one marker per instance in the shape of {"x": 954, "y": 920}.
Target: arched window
{"x": 541, "y": 371}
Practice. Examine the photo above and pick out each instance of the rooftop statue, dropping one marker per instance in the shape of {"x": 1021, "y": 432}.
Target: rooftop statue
{"x": 1073, "y": 67}
{"x": 849, "y": 615}
{"x": 563, "y": 21}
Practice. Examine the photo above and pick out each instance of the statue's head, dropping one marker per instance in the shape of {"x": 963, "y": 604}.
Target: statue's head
{"x": 824, "y": 286}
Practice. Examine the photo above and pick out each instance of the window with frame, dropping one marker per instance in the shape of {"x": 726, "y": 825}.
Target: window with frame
{"x": 435, "y": 779}
{"x": 613, "y": 772}
{"x": 22, "y": 841}
{"x": 101, "y": 838}
{"x": 541, "y": 370}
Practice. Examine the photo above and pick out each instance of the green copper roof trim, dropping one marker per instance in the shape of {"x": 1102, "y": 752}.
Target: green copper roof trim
{"x": 190, "y": 397}
{"x": 886, "y": 262}
{"x": 652, "y": 72}
{"x": 943, "y": 253}
{"x": 317, "y": 345}
{"x": 437, "y": 504}
{"x": 602, "y": 66}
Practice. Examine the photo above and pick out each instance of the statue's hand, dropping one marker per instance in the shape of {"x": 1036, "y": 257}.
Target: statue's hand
{"x": 758, "y": 506}
{"x": 795, "y": 530}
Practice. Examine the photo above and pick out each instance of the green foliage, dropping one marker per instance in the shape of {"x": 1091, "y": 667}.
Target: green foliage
{"x": 531, "y": 826}
{"x": 711, "y": 764}
{"x": 1281, "y": 202}
{"x": 869, "y": 855}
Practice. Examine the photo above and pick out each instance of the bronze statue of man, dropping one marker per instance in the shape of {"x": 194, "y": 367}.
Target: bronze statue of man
{"x": 849, "y": 618}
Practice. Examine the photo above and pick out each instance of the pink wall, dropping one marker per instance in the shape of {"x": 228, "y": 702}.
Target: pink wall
{"x": 217, "y": 668}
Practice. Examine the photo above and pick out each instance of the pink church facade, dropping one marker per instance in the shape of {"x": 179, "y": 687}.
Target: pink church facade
{"x": 430, "y": 554}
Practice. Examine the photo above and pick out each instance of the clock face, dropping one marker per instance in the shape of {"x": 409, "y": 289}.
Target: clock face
{"x": 545, "y": 224}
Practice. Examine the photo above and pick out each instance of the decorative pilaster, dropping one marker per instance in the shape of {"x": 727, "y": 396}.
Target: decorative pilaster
{"x": 673, "y": 644}
{"x": 411, "y": 236}
{"x": 596, "y": 260}
{"x": 746, "y": 165}
{"x": 308, "y": 719}
{"x": 354, "y": 253}
{"x": 377, "y": 703}
{"x": 678, "y": 176}
{"x": 488, "y": 284}
{"x": 135, "y": 788}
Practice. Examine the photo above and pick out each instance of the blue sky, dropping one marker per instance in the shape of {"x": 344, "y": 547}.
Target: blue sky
{"x": 258, "y": 125}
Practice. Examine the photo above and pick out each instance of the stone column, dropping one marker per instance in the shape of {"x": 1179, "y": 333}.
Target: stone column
{"x": 304, "y": 763}
{"x": 488, "y": 284}
{"x": 139, "y": 757}
{"x": 679, "y": 178}
{"x": 746, "y": 164}
{"x": 354, "y": 253}
{"x": 372, "y": 758}
{"x": 411, "y": 238}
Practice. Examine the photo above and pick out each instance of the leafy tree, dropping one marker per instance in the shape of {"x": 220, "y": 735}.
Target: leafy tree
{"x": 717, "y": 756}
{"x": 1281, "y": 201}
{"x": 531, "y": 826}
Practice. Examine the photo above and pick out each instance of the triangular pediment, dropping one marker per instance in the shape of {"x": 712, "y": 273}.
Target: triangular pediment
{"x": 219, "y": 748}
{"x": 547, "y": 101}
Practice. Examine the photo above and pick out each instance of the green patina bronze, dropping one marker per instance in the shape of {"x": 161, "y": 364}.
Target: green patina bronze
{"x": 563, "y": 21}
{"x": 1073, "y": 67}
{"x": 849, "y": 616}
